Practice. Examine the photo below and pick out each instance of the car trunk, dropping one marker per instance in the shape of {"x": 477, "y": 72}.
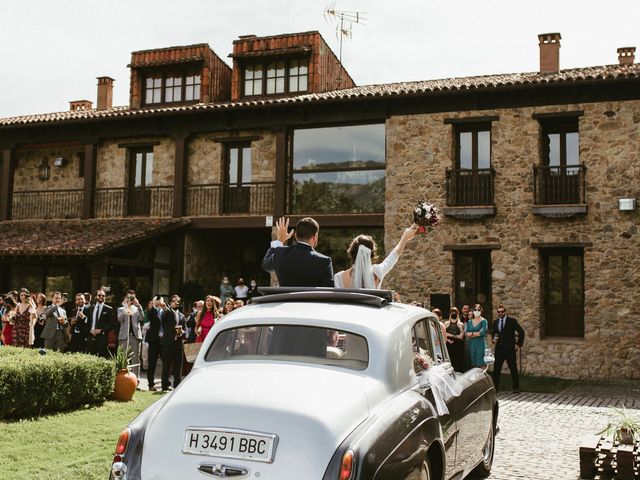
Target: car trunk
{"x": 310, "y": 414}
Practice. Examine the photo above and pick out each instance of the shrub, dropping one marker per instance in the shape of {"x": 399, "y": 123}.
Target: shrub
{"x": 32, "y": 384}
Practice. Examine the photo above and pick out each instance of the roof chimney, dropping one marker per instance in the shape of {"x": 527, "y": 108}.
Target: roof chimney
{"x": 105, "y": 93}
{"x": 549, "y": 52}
{"x": 80, "y": 105}
{"x": 626, "y": 55}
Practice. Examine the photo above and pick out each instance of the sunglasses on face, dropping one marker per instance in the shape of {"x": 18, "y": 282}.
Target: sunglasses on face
{"x": 500, "y": 311}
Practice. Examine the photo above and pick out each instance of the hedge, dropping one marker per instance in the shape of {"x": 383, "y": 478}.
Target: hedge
{"x": 32, "y": 384}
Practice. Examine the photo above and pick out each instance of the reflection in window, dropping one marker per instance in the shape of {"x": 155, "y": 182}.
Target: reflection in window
{"x": 339, "y": 170}
{"x": 333, "y": 242}
{"x": 277, "y": 77}
{"x": 291, "y": 343}
{"x": 171, "y": 88}
{"x": 563, "y": 290}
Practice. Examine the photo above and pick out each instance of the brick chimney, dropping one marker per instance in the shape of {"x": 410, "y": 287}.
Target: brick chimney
{"x": 105, "y": 93}
{"x": 80, "y": 105}
{"x": 549, "y": 52}
{"x": 626, "y": 55}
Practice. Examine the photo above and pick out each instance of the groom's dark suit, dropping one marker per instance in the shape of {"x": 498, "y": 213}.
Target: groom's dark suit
{"x": 299, "y": 266}
{"x": 505, "y": 337}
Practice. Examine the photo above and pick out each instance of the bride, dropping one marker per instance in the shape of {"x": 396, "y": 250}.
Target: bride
{"x": 362, "y": 250}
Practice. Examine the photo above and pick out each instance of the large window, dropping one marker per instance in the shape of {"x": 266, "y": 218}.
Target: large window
{"x": 473, "y": 146}
{"x": 563, "y": 292}
{"x": 276, "y": 77}
{"x": 237, "y": 189}
{"x": 338, "y": 170}
{"x": 471, "y": 181}
{"x": 171, "y": 87}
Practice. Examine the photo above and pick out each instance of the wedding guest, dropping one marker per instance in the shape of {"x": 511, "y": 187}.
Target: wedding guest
{"x": 363, "y": 273}
{"x": 226, "y": 290}
{"x": 41, "y": 304}
{"x": 229, "y": 305}
{"x": 130, "y": 317}
{"x": 455, "y": 339}
{"x": 101, "y": 322}
{"x": 153, "y": 336}
{"x": 207, "y": 317}
{"x": 508, "y": 338}
{"x": 241, "y": 290}
{"x": 191, "y": 321}
{"x": 55, "y": 332}
{"x": 475, "y": 332}
{"x": 24, "y": 320}
{"x": 78, "y": 326}
{"x": 438, "y": 313}
{"x": 253, "y": 289}
{"x": 238, "y": 304}
{"x": 174, "y": 332}
{"x": 8, "y": 320}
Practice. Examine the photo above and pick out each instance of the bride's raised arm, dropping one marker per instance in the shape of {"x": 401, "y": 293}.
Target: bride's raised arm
{"x": 381, "y": 269}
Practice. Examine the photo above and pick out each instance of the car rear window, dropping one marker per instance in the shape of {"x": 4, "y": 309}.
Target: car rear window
{"x": 297, "y": 343}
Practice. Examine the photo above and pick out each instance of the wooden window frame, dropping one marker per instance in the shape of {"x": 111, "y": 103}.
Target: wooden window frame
{"x": 561, "y": 126}
{"x": 227, "y": 160}
{"x": 474, "y": 128}
{"x": 264, "y": 66}
{"x": 564, "y": 253}
{"x": 163, "y": 76}
{"x": 143, "y": 171}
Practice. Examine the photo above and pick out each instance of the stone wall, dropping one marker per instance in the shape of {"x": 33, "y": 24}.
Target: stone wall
{"x": 112, "y": 170}
{"x": 67, "y": 177}
{"x": 419, "y": 149}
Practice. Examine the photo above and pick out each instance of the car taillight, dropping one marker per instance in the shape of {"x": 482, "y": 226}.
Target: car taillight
{"x": 123, "y": 441}
{"x": 346, "y": 467}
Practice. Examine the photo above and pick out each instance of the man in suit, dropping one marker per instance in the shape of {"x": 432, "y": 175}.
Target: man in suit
{"x": 506, "y": 346}
{"x": 55, "y": 324}
{"x": 130, "y": 317}
{"x": 174, "y": 332}
{"x": 78, "y": 326}
{"x": 101, "y": 322}
{"x": 298, "y": 265}
{"x": 152, "y": 337}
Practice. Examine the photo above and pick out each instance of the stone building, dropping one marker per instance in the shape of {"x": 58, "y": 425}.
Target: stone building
{"x": 536, "y": 173}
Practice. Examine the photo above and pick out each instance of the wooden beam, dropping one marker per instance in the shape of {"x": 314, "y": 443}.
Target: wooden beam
{"x": 181, "y": 167}
{"x": 254, "y": 222}
{"x": 280, "y": 190}
{"x": 492, "y": 118}
{"x": 6, "y": 183}
{"x": 471, "y": 246}
{"x": 90, "y": 167}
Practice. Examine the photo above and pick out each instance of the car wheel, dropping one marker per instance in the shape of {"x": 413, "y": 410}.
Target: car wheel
{"x": 484, "y": 468}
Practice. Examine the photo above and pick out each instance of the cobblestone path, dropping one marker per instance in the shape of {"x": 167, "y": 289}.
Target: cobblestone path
{"x": 540, "y": 433}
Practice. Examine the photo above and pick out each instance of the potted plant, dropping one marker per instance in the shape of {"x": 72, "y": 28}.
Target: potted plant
{"x": 622, "y": 427}
{"x": 126, "y": 381}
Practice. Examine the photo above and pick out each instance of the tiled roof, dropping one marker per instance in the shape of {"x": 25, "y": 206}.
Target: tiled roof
{"x": 416, "y": 88}
{"x": 156, "y": 63}
{"x": 78, "y": 237}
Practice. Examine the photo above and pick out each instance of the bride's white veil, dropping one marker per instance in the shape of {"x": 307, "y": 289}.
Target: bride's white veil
{"x": 362, "y": 276}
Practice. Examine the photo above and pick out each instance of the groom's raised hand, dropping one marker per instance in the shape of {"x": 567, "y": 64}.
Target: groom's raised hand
{"x": 282, "y": 229}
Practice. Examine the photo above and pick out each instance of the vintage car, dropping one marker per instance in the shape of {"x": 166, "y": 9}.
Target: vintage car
{"x": 317, "y": 384}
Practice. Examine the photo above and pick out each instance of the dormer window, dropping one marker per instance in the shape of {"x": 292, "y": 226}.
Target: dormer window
{"x": 276, "y": 78}
{"x": 172, "y": 87}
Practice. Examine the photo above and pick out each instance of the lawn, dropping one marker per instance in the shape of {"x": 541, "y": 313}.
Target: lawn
{"x": 74, "y": 445}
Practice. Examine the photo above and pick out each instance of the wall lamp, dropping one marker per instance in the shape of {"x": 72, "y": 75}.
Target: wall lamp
{"x": 44, "y": 170}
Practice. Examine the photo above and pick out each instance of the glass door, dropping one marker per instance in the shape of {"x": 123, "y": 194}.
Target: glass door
{"x": 473, "y": 280}
{"x": 237, "y": 188}
{"x": 140, "y": 179}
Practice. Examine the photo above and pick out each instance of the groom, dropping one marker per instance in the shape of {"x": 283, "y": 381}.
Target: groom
{"x": 298, "y": 265}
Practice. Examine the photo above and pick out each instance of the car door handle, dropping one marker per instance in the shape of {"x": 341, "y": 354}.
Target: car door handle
{"x": 223, "y": 471}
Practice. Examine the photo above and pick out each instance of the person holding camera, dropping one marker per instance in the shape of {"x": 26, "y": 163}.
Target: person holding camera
{"x": 131, "y": 316}
{"x": 55, "y": 332}
{"x": 174, "y": 329}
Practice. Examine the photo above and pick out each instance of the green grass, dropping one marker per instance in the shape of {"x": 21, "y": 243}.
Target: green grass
{"x": 73, "y": 445}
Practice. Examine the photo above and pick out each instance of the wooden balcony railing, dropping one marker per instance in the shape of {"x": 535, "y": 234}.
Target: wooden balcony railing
{"x": 47, "y": 204}
{"x": 467, "y": 188}
{"x": 134, "y": 202}
{"x": 200, "y": 200}
{"x": 255, "y": 198}
{"x": 559, "y": 185}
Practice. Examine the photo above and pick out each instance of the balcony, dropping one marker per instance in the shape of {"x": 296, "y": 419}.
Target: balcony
{"x": 255, "y": 198}
{"x": 470, "y": 193}
{"x": 47, "y": 204}
{"x": 559, "y": 191}
{"x": 211, "y": 200}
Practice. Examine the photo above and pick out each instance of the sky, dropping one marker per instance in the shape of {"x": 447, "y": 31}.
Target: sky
{"x": 52, "y": 51}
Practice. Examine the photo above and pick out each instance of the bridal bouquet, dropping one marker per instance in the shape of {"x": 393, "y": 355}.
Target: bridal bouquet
{"x": 425, "y": 215}
{"x": 421, "y": 361}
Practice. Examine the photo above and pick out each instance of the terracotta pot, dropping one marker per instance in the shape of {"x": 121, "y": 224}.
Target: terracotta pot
{"x": 126, "y": 383}
{"x": 625, "y": 436}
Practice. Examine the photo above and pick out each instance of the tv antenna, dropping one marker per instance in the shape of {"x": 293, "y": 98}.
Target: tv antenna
{"x": 345, "y": 21}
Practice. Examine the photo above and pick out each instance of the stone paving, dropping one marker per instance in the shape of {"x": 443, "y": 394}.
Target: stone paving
{"x": 540, "y": 433}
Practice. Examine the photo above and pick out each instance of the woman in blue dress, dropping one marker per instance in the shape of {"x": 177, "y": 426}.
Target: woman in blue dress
{"x": 475, "y": 331}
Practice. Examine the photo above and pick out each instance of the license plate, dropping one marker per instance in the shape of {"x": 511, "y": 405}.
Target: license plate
{"x": 229, "y": 443}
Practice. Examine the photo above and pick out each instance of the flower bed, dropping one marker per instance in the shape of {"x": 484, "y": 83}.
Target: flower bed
{"x": 32, "y": 384}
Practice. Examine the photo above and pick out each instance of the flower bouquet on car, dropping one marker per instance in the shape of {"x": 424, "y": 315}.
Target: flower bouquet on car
{"x": 426, "y": 215}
